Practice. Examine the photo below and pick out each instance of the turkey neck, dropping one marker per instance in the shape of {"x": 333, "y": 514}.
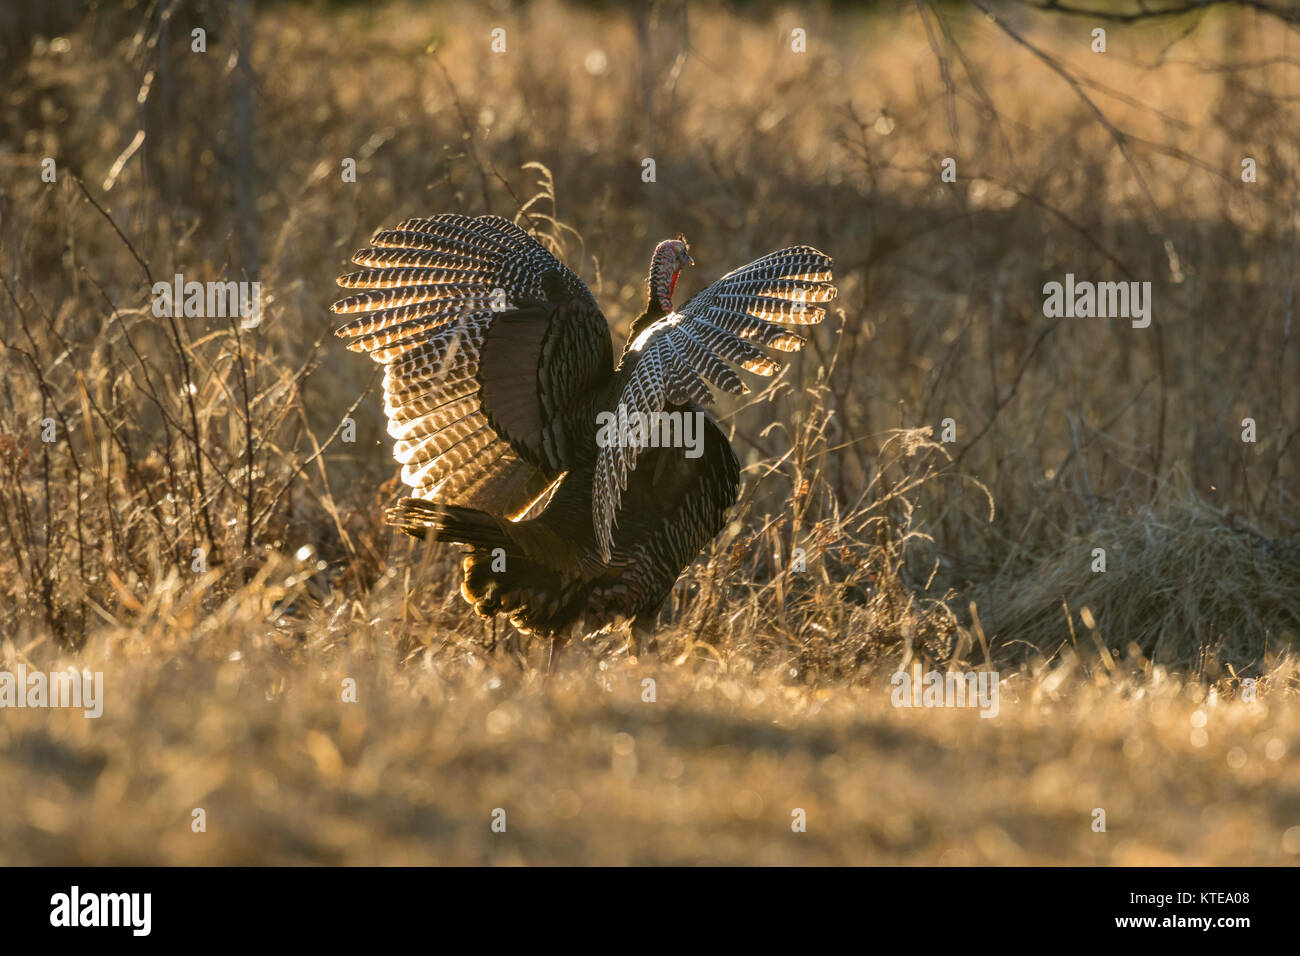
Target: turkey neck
{"x": 606, "y": 399}
{"x": 653, "y": 313}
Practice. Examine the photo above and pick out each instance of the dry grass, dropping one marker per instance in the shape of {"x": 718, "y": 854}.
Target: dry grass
{"x": 589, "y": 773}
{"x": 1121, "y": 690}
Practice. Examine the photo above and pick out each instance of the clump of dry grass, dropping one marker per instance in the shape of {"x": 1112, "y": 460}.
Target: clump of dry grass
{"x": 862, "y": 543}
{"x": 1181, "y": 583}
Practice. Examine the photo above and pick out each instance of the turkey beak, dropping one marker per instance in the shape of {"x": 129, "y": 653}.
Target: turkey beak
{"x": 689, "y": 260}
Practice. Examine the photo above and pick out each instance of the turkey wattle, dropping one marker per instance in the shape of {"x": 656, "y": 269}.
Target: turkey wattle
{"x": 500, "y": 389}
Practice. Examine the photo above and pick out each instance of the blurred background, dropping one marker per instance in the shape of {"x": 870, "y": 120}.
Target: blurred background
{"x": 946, "y": 458}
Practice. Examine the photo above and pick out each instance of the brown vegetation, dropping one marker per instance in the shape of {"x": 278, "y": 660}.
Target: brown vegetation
{"x": 1121, "y": 690}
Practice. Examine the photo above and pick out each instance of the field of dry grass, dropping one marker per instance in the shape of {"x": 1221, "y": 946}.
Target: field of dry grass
{"x": 179, "y": 509}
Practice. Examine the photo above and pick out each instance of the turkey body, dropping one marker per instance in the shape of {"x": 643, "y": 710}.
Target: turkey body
{"x": 511, "y": 417}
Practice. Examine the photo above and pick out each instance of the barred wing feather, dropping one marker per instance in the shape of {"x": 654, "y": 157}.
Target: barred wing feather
{"x": 456, "y": 307}
{"x": 684, "y": 355}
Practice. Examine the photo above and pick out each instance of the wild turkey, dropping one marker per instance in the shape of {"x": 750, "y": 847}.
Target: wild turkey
{"x": 498, "y": 368}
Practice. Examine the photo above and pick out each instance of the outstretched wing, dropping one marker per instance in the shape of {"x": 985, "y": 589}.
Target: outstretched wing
{"x": 677, "y": 359}
{"x": 487, "y": 341}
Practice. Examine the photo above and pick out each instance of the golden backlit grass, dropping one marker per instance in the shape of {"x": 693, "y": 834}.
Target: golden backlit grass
{"x": 1125, "y": 691}
{"x": 251, "y": 728}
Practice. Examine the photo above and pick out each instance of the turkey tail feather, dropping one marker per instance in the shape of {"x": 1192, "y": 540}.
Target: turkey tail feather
{"x": 448, "y": 523}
